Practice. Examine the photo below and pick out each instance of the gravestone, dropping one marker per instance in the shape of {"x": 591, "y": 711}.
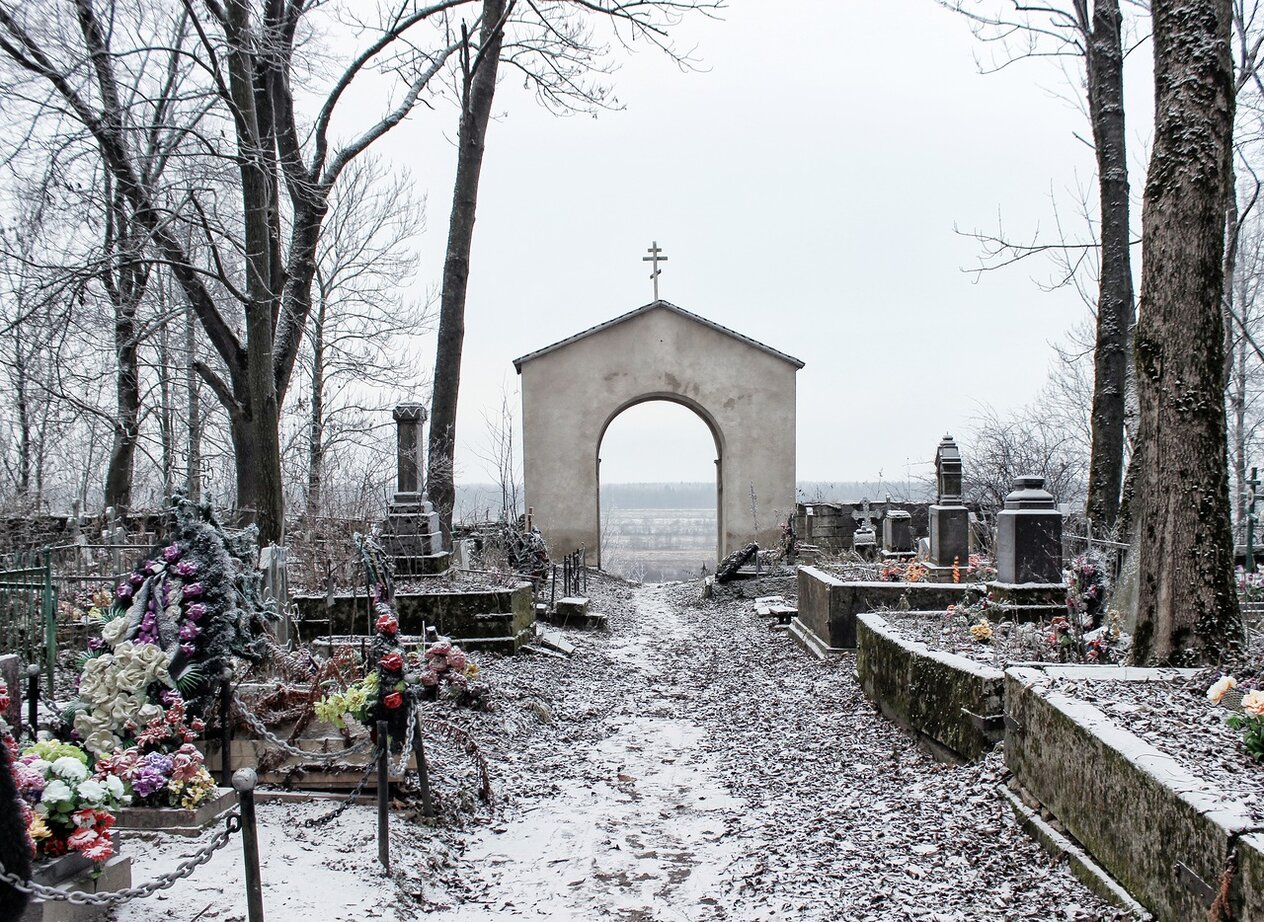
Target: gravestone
{"x": 412, "y": 535}
{"x": 1029, "y": 580}
{"x": 1029, "y": 535}
{"x": 11, "y": 674}
{"x": 865, "y": 539}
{"x": 949, "y": 518}
{"x": 897, "y": 533}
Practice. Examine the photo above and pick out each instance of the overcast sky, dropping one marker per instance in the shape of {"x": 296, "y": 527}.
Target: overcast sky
{"x": 805, "y": 185}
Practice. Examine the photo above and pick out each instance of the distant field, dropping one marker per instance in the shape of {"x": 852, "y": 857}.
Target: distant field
{"x": 655, "y": 545}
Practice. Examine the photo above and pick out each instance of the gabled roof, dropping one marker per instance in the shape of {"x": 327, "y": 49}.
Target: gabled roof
{"x": 665, "y": 305}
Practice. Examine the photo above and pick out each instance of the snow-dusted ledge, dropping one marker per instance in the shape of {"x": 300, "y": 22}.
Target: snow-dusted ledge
{"x": 951, "y": 702}
{"x": 1162, "y": 832}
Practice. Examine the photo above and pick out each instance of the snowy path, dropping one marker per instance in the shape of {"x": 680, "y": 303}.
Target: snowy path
{"x": 689, "y": 765}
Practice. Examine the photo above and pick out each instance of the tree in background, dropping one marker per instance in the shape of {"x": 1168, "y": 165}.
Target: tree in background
{"x": 1187, "y": 607}
{"x": 553, "y": 46}
{"x": 1093, "y": 35}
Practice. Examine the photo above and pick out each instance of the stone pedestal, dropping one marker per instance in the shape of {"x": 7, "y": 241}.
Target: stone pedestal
{"x": 949, "y": 536}
{"x": 865, "y": 542}
{"x": 897, "y": 532}
{"x": 413, "y": 538}
{"x": 115, "y": 874}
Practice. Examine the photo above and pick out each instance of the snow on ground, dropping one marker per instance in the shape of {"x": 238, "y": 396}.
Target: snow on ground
{"x": 689, "y": 765}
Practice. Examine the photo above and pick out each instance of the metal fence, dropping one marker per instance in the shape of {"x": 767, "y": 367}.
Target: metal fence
{"x": 28, "y": 609}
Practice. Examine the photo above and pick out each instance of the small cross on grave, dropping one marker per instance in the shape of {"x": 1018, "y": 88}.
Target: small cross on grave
{"x": 654, "y": 258}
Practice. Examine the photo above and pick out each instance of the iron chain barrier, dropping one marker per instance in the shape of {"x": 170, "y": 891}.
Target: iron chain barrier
{"x": 232, "y": 824}
{"x": 351, "y": 798}
{"x": 257, "y": 725}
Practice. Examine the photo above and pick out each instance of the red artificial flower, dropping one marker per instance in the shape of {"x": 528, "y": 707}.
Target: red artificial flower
{"x": 392, "y": 662}
{"x": 393, "y": 700}
{"x": 387, "y": 624}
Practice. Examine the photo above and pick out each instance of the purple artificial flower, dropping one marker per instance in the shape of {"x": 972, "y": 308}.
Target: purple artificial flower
{"x": 152, "y": 566}
{"x": 195, "y": 612}
{"x": 148, "y": 779}
{"x": 193, "y": 590}
{"x": 137, "y": 579}
{"x": 95, "y": 644}
{"x": 124, "y": 591}
{"x": 188, "y": 649}
{"x": 189, "y": 631}
{"x": 171, "y": 553}
{"x": 187, "y": 568}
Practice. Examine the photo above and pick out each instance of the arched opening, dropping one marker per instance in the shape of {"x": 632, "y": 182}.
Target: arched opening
{"x": 659, "y": 480}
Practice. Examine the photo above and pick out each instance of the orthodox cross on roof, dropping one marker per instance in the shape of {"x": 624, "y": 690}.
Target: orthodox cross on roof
{"x": 654, "y": 258}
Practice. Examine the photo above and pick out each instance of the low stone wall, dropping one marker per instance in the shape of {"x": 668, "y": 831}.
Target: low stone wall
{"x": 1159, "y": 830}
{"x": 944, "y": 698}
{"x": 828, "y": 606}
{"x": 499, "y": 620}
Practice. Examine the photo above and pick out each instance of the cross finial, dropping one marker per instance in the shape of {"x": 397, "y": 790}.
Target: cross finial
{"x": 654, "y": 258}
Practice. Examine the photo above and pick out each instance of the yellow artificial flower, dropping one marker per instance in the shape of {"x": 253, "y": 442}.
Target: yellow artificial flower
{"x": 38, "y": 829}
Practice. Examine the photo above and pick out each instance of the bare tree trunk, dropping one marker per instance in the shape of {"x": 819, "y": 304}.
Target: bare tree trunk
{"x": 166, "y": 413}
{"x": 1187, "y": 608}
{"x": 125, "y": 282}
{"x": 316, "y": 435}
{"x": 193, "y": 473}
{"x": 256, "y": 427}
{"x": 1115, "y": 312}
{"x": 21, "y": 387}
{"x": 479, "y": 88}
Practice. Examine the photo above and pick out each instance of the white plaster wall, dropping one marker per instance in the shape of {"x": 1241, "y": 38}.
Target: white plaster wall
{"x": 745, "y": 394}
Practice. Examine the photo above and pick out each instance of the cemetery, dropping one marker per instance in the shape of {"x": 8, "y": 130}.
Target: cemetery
{"x": 280, "y": 640}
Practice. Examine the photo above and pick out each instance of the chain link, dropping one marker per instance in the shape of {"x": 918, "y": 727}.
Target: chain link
{"x": 232, "y": 824}
{"x": 351, "y": 798}
{"x": 258, "y": 726}
{"x": 402, "y": 765}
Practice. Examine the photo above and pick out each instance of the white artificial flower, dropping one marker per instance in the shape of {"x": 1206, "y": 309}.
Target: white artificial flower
{"x": 92, "y": 791}
{"x": 114, "y": 630}
{"x": 70, "y": 769}
{"x": 41, "y": 766}
{"x": 56, "y": 792}
{"x": 113, "y": 784}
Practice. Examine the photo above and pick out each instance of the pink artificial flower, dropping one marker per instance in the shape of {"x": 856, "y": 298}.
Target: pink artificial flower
{"x": 456, "y": 660}
{"x": 429, "y": 678}
{"x": 100, "y": 851}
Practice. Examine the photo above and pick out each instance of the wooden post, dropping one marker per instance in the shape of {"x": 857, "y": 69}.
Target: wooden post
{"x": 423, "y": 774}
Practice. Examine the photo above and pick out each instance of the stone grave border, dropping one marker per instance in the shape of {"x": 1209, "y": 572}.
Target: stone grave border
{"x": 953, "y": 704}
{"x": 1158, "y": 829}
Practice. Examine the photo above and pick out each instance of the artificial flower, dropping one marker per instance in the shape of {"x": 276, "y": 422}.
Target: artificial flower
{"x": 393, "y": 700}
{"x": 1253, "y": 703}
{"x": 1216, "y": 693}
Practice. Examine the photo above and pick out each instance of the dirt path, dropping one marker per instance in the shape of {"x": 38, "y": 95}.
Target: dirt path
{"x": 688, "y": 765}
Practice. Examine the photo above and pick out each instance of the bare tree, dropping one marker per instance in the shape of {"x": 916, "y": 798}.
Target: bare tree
{"x": 1093, "y": 35}
{"x": 1187, "y": 606}
{"x": 553, "y": 46}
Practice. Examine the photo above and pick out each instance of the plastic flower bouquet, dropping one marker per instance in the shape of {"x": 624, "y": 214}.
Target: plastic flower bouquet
{"x": 71, "y": 809}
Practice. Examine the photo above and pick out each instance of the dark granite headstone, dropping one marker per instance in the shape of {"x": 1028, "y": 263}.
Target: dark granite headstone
{"x": 949, "y": 519}
{"x": 897, "y": 532}
{"x": 1029, "y": 535}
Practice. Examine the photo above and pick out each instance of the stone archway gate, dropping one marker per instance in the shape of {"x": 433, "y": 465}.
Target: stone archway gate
{"x": 742, "y": 389}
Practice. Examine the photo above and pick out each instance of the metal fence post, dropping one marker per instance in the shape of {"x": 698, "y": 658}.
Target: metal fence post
{"x": 49, "y": 604}
{"x": 225, "y": 726}
{"x": 32, "y": 698}
{"x": 244, "y": 781}
{"x": 383, "y": 799}
{"x": 423, "y": 773}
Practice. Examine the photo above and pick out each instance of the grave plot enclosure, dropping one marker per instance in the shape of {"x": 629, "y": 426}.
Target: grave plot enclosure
{"x": 743, "y": 390}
